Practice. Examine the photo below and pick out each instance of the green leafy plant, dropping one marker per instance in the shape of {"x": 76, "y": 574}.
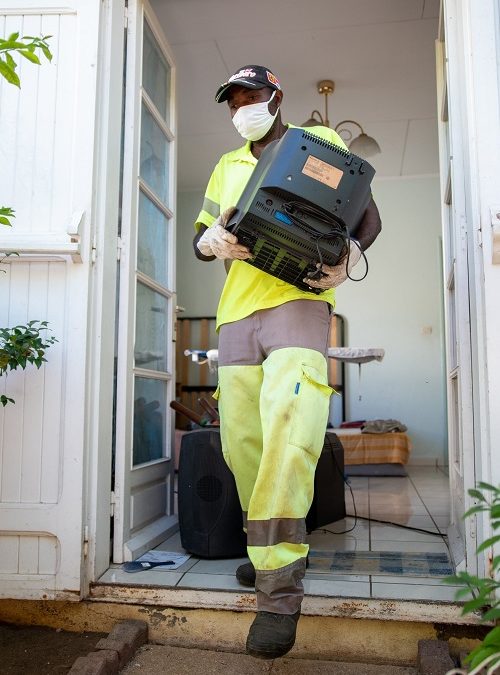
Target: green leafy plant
{"x": 22, "y": 345}
{"x": 483, "y": 591}
{"x": 25, "y": 46}
{"x": 6, "y": 213}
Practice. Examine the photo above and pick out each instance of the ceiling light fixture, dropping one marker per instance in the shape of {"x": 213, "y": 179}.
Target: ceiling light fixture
{"x": 362, "y": 145}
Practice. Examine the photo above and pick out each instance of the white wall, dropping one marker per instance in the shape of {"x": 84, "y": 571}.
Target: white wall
{"x": 398, "y": 307}
{"x": 395, "y": 307}
{"x": 199, "y": 284}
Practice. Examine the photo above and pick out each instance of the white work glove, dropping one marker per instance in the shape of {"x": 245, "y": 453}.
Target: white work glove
{"x": 334, "y": 276}
{"x": 217, "y": 241}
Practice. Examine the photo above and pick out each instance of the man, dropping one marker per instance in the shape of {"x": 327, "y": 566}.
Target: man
{"x": 273, "y": 388}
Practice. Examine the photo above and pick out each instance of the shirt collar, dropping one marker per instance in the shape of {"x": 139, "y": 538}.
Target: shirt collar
{"x": 244, "y": 154}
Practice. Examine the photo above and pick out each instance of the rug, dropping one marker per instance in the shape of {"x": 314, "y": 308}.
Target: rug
{"x": 380, "y": 562}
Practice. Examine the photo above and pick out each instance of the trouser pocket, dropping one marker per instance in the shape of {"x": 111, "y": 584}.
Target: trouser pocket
{"x": 311, "y": 407}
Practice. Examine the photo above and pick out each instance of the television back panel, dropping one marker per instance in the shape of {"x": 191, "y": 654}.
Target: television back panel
{"x": 303, "y": 177}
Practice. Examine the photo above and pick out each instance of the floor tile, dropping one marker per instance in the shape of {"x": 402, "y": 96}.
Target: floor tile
{"x": 154, "y": 577}
{"x": 349, "y": 589}
{"x": 420, "y": 581}
{"x": 225, "y": 566}
{"x": 361, "y": 527}
{"x": 409, "y": 546}
{"x": 219, "y": 582}
{"x": 413, "y": 592}
{"x": 389, "y": 532}
{"x": 314, "y": 576}
{"x": 330, "y": 542}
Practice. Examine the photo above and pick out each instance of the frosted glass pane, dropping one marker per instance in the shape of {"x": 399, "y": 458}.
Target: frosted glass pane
{"x": 154, "y": 156}
{"x": 152, "y": 258}
{"x": 151, "y": 329}
{"x": 150, "y": 404}
{"x": 155, "y": 73}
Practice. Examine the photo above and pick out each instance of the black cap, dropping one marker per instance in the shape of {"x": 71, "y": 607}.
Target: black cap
{"x": 253, "y": 77}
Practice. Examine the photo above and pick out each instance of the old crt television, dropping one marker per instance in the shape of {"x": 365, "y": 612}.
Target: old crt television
{"x": 304, "y": 199}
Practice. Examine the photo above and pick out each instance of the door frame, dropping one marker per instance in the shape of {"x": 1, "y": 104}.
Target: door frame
{"x": 126, "y": 477}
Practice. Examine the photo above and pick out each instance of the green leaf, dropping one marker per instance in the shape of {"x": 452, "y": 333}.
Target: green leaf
{"x": 477, "y": 495}
{"x": 482, "y": 654}
{"x": 28, "y": 54}
{"x": 9, "y": 74}
{"x": 47, "y": 52}
{"x": 472, "y": 605}
{"x": 493, "y": 637}
{"x": 13, "y": 37}
{"x": 492, "y": 614}
{"x": 474, "y": 509}
{"x": 488, "y": 486}
{"x": 487, "y": 543}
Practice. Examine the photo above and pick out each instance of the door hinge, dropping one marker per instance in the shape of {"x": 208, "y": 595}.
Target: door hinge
{"x": 119, "y": 247}
{"x": 112, "y": 502}
{"x": 125, "y": 16}
{"x": 93, "y": 254}
{"x": 85, "y": 541}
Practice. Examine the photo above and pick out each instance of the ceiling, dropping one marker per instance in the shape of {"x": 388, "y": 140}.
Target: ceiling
{"x": 380, "y": 53}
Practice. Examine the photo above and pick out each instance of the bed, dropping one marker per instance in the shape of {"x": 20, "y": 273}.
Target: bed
{"x": 360, "y": 448}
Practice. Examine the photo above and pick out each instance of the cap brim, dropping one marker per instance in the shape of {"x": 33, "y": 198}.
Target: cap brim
{"x": 223, "y": 91}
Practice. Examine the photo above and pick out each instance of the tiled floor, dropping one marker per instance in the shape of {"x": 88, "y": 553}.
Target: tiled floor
{"x": 421, "y": 500}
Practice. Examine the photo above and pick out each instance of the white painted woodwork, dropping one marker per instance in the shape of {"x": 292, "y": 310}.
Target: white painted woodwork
{"x": 46, "y": 172}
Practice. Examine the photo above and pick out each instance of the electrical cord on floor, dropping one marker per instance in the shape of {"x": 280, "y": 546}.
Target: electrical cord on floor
{"x": 373, "y": 520}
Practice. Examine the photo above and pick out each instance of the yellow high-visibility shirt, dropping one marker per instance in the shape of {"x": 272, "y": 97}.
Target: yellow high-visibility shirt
{"x": 248, "y": 289}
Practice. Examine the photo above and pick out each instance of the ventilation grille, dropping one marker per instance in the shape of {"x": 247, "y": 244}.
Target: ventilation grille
{"x": 273, "y": 258}
{"x": 326, "y": 144}
{"x": 260, "y": 205}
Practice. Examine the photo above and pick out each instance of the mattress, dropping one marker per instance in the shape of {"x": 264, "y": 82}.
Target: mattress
{"x": 393, "y": 447}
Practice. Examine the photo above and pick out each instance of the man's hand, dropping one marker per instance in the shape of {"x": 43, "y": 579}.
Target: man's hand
{"x": 334, "y": 276}
{"x": 217, "y": 241}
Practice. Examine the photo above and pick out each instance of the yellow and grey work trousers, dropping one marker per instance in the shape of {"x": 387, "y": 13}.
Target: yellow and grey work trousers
{"x": 274, "y": 401}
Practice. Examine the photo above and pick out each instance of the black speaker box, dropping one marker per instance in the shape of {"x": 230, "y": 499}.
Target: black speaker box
{"x": 210, "y": 518}
{"x": 328, "y": 503}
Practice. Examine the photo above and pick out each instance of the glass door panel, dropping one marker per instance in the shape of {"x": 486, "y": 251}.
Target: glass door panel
{"x": 152, "y": 244}
{"x": 150, "y": 429}
{"x": 155, "y": 73}
{"x": 154, "y": 155}
{"x": 151, "y": 339}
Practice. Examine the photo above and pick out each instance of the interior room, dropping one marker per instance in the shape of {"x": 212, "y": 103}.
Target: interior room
{"x": 380, "y": 55}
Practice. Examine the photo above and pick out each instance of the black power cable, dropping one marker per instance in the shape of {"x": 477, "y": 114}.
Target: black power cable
{"x": 373, "y": 520}
{"x": 337, "y": 231}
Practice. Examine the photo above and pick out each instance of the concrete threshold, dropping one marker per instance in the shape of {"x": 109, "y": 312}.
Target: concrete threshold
{"x": 335, "y": 629}
{"x": 340, "y": 607}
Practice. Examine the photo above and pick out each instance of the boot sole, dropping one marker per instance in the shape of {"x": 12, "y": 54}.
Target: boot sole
{"x": 268, "y": 655}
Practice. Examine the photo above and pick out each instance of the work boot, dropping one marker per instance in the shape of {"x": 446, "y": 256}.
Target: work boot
{"x": 245, "y": 573}
{"x": 272, "y": 635}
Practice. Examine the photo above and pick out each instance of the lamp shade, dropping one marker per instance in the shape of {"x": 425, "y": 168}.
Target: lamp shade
{"x": 364, "y": 146}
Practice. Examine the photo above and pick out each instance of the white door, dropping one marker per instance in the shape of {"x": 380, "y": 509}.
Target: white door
{"x": 143, "y": 489}
{"x": 47, "y": 150}
{"x": 456, "y": 245}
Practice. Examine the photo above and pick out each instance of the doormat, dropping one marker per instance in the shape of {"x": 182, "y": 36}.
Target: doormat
{"x": 380, "y": 562}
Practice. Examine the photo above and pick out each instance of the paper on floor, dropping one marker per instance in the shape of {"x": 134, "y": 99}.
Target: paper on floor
{"x": 156, "y": 556}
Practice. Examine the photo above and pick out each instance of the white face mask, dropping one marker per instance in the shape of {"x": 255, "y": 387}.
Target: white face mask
{"x": 254, "y": 121}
